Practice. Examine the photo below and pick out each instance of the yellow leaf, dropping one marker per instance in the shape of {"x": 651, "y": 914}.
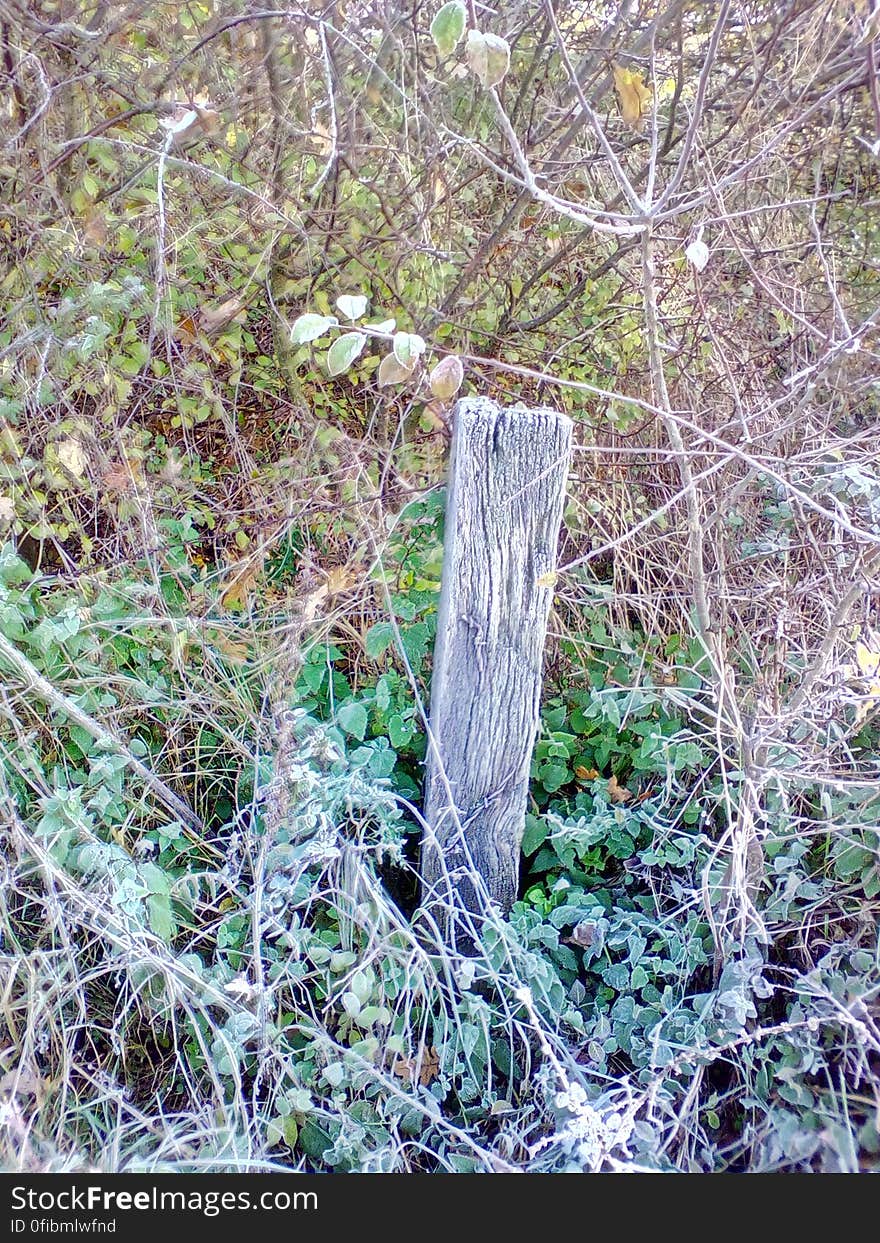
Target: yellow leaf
{"x": 633, "y": 94}
{"x": 867, "y": 660}
{"x": 237, "y": 593}
{"x": 340, "y": 578}
{"x": 547, "y": 580}
{"x": 867, "y": 670}
{"x": 446, "y": 378}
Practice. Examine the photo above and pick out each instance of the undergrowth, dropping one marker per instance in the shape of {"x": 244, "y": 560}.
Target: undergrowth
{"x": 221, "y": 522}
{"x": 239, "y": 990}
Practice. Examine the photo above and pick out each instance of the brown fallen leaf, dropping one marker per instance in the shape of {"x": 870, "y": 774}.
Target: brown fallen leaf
{"x": 237, "y": 653}
{"x": 236, "y": 595}
{"x": 583, "y": 934}
{"x": 95, "y": 230}
{"x": 215, "y": 318}
{"x": 426, "y": 1067}
{"x": 119, "y": 477}
{"x": 618, "y": 793}
{"x": 186, "y": 330}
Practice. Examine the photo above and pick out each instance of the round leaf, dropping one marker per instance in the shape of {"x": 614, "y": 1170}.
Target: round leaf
{"x": 309, "y": 327}
{"x": 408, "y": 348}
{"x": 351, "y": 1003}
{"x": 344, "y": 351}
{"x": 448, "y": 26}
{"x": 697, "y": 254}
{"x": 352, "y": 306}
{"x": 393, "y": 372}
{"x": 352, "y": 717}
{"x": 446, "y": 378}
{"x": 488, "y": 56}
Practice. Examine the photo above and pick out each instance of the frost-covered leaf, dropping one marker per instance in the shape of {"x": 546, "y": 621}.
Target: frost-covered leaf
{"x": 71, "y": 456}
{"x": 446, "y": 378}
{"x": 448, "y": 26}
{"x": 352, "y": 717}
{"x": 391, "y": 371}
{"x": 344, "y": 351}
{"x": 408, "y": 348}
{"x": 697, "y": 254}
{"x": 352, "y": 306}
{"x": 488, "y": 57}
{"x": 309, "y": 327}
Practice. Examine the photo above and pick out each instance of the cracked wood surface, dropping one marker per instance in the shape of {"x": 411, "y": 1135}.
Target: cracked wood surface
{"x": 507, "y": 483}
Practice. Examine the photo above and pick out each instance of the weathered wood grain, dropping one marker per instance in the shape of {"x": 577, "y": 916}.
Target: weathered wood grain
{"x": 508, "y": 474}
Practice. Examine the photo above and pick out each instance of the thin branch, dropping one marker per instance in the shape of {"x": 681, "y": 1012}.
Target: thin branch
{"x": 34, "y": 682}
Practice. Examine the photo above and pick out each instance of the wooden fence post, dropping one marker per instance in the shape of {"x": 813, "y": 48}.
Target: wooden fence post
{"x": 507, "y": 482}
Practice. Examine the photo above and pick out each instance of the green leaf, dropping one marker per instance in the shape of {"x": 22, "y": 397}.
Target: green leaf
{"x": 161, "y": 916}
{"x": 639, "y": 977}
{"x": 155, "y": 879}
{"x": 291, "y": 1131}
{"x": 448, "y": 26}
{"x": 362, "y": 985}
{"x": 851, "y": 860}
{"x": 12, "y": 569}
{"x": 871, "y": 881}
{"x": 383, "y": 760}
{"x": 399, "y": 731}
{"x": 383, "y": 692}
{"x": 352, "y": 717}
{"x": 314, "y": 1140}
{"x": 344, "y": 351}
{"x": 416, "y": 639}
{"x": 285, "y": 1128}
{"x": 535, "y": 833}
{"x": 552, "y": 776}
{"x": 554, "y": 718}
{"x": 408, "y": 348}
{"x": 378, "y": 639}
{"x": 313, "y": 676}
{"x": 309, "y": 327}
